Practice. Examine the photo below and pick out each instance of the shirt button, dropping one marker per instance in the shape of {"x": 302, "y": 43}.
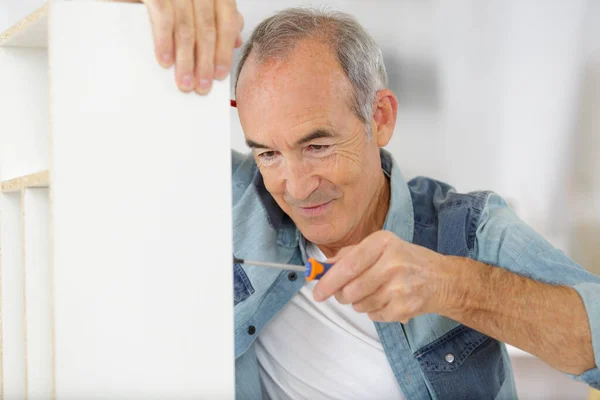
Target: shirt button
{"x": 449, "y": 358}
{"x": 251, "y": 330}
{"x": 292, "y": 276}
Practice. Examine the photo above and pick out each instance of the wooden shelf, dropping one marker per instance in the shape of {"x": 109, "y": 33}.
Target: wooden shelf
{"x": 37, "y": 180}
{"x": 31, "y": 31}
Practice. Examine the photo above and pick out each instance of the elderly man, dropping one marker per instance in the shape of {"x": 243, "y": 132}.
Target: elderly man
{"x": 428, "y": 284}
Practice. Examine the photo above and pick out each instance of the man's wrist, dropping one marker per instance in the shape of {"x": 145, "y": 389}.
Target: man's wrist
{"x": 463, "y": 278}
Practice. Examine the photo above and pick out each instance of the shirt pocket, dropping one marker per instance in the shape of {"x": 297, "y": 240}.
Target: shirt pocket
{"x": 242, "y": 288}
{"x": 463, "y": 364}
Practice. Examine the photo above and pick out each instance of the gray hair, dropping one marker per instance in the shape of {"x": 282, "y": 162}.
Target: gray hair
{"x": 357, "y": 52}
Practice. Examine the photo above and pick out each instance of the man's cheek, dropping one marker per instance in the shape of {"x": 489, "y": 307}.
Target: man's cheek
{"x": 283, "y": 205}
{"x": 273, "y": 183}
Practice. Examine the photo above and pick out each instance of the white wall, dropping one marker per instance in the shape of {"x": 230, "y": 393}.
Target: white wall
{"x": 584, "y": 160}
{"x": 510, "y": 73}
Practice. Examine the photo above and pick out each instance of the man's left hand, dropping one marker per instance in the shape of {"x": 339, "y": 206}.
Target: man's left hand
{"x": 388, "y": 278}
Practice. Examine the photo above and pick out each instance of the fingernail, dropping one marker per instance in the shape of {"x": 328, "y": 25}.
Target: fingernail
{"x": 166, "y": 58}
{"x": 204, "y": 85}
{"x": 318, "y": 295}
{"x": 186, "y": 81}
{"x": 221, "y": 71}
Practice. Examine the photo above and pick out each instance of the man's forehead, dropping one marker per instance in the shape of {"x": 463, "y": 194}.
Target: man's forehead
{"x": 281, "y": 101}
{"x": 310, "y": 70}
{"x": 289, "y": 123}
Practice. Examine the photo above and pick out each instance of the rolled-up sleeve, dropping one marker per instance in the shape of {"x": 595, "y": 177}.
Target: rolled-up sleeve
{"x": 502, "y": 239}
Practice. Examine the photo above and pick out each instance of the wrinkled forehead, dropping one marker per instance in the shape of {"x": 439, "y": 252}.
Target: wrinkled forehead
{"x": 308, "y": 83}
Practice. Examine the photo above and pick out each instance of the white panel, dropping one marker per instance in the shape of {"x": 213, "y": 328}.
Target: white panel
{"x": 140, "y": 183}
{"x": 13, "y": 309}
{"x": 37, "y": 294}
{"x": 23, "y": 111}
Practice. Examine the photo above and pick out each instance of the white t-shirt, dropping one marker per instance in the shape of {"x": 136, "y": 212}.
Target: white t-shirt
{"x": 325, "y": 350}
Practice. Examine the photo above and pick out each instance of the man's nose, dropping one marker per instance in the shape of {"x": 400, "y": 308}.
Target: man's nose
{"x": 300, "y": 181}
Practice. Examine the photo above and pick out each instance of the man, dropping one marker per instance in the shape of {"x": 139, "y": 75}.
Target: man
{"x": 427, "y": 284}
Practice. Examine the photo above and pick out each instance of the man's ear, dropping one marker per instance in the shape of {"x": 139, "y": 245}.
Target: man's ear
{"x": 384, "y": 117}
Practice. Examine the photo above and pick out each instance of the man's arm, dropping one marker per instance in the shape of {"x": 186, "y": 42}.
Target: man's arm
{"x": 539, "y": 300}
{"x": 545, "y": 320}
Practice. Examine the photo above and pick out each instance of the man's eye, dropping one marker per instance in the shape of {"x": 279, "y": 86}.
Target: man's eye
{"x": 318, "y": 147}
{"x": 267, "y": 154}
{"x": 267, "y": 158}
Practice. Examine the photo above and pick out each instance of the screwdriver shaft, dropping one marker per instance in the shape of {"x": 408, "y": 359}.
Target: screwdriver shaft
{"x": 299, "y": 268}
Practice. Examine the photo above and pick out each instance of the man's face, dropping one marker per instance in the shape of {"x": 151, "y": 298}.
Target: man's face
{"x": 310, "y": 147}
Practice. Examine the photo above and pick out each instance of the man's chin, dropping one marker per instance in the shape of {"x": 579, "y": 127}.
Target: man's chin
{"x": 319, "y": 233}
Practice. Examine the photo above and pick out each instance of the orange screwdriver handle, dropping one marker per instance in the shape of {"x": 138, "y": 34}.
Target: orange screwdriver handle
{"x": 316, "y": 269}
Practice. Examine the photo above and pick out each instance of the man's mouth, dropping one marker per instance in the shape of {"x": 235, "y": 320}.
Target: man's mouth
{"x": 316, "y": 210}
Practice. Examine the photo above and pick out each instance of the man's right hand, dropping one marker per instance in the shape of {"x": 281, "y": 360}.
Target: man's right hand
{"x": 198, "y": 36}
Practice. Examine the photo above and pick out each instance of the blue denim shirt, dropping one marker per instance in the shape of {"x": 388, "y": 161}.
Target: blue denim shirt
{"x": 426, "y": 212}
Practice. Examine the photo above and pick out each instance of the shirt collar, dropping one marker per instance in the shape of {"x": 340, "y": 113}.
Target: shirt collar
{"x": 399, "y": 219}
{"x": 400, "y": 216}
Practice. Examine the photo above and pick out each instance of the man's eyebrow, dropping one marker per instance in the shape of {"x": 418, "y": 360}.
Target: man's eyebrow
{"x": 255, "y": 145}
{"x": 318, "y": 134}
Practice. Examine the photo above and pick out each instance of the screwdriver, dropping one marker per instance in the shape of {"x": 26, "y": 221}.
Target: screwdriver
{"x": 313, "y": 269}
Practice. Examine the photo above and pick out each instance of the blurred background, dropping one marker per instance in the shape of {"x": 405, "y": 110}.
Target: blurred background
{"x": 494, "y": 94}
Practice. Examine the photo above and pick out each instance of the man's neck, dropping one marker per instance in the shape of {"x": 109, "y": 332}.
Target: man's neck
{"x": 371, "y": 222}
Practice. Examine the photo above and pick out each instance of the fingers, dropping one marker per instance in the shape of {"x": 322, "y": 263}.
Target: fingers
{"x": 206, "y": 37}
{"x": 381, "y": 315}
{"x": 368, "y": 283}
{"x": 228, "y": 28}
{"x": 238, "y": 40}
{"x": 393, "y": 301}
{"x": 184, "y": 44}
{"x": 198, "y": 36}
{"x": 351, "y": 265}
{"x": 392, "y": 312}
{"x": 161, "y": 17}
{"x": 371, "y": 304}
